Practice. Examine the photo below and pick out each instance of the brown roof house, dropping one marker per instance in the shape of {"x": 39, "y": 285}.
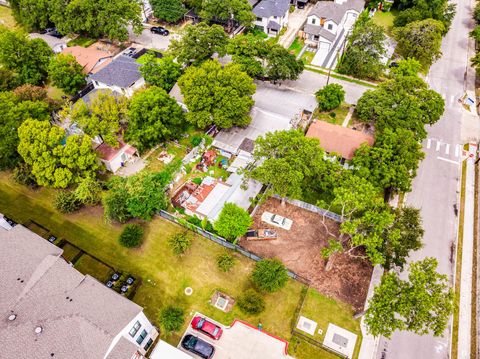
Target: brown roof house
{"x": 337, "y": 139}
{"x": 116, "y": 158}
{"x": 50, "y": 310}
{"x": 91, "y": 59}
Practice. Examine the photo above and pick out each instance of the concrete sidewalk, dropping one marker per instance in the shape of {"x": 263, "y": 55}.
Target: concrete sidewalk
{"x": 465, "y": 305}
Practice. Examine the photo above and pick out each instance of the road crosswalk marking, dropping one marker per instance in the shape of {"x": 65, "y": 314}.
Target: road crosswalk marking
{"x": 448, "y": 149}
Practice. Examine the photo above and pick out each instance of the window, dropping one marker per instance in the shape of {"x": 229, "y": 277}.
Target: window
{"x": 135, "y": 329}
{"x": 313, "y": 21}
{"x": 149, "y": 344}
{"x": 141, "y": 337}
{"x": 96, "y": 83}
{"x": 329, "y": 26}
{"x": 316, "y": 38}
{"x": 259, "y": 19}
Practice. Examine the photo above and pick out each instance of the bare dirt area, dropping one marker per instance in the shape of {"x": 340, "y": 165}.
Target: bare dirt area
{"x": 300, "y": 250}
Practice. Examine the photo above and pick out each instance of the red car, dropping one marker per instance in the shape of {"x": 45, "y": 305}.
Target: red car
{"x": 206, "y": 327}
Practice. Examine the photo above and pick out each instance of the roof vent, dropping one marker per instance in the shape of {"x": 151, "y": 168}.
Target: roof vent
{"x": 38, "y": 329}
{"x": 12, "y": 317}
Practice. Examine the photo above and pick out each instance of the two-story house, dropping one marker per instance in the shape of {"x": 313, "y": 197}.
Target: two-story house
{"x": 272, "y": 15}
{"x": 51, "y": 310}
{"x": 329, "y": 22}
{"x": 121, "y": 75}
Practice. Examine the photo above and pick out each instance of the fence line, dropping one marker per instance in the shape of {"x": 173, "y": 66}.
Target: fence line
{"x": 310, "y": 207}
{"x": 318, "y": 344}
{"x": 223, "y": 242}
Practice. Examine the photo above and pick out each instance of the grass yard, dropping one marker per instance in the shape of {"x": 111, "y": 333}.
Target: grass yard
{"x": 324, "y": 310}
{"x": 337, "y": 119}
{"x": 307, "y": 57}
{"x": 69, "y": 252}
{"x": 385, "y": 20}
{"x": 6, "y": 17}
{"x": 81, "y": 41}
{"x": 296, "y": 46}
{"x": 89, "y": 265}
{"x": 55, "y": 93}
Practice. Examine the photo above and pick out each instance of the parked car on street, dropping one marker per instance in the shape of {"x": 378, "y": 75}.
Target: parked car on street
{"x": 198, "y": 346}
{"x": 208, "y": 328}
{"x": 159, "y": 30}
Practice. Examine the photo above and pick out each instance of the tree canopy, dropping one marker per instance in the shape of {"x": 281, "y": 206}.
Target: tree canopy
{"x": 417, "y": 10}
{"x": 365, "y": 48}
{"x": 239, "y": 11}
{"x": 233, "y": 221}
{"x": 198, "y": 43}
{"x": 217, "y": 95}
{"x": 392, "y": 162}
{"x": 404, "y": 102}
{"x": 13, "y": 111}
{"x": 420, "y": 40}
{"x": 154, "y": 117}
{"x": 260, "y": 58}
{"x": 269, "y": 275}
{"x": 56, "y": 161}
{"x": 406, "y": 67}
{"x": 330, "y": 97}
{"x": 103, "y": 117}
{"x": 168, "y": 10}
{"x": 29, "y": 59}
{"x": 163, "y": 72}
{"x": 285, "y": 160}
{"x": 66, "y": 73}
{"x": 422, "y": 304}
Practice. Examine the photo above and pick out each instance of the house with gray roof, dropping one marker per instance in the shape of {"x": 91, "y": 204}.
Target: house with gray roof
{"x": 272, "y": 15}
{"x": 327, "y": 26}
{"x": 121, "y": 75}
{"x": 51, "y": 310}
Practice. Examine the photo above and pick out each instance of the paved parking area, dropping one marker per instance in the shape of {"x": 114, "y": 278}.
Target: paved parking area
{"x": 149, "y": 40}
{"x": 243, "y": 341}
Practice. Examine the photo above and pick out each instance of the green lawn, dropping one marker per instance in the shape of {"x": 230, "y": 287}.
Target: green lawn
{"x": 6, "y": 17}
{"x": 296, "y": 46}
{"x": 164, "y": 276}
{"x": 385, "y": 20}
{"x": 324, "y": 310}
{"x": 55, "y": 93}
{"x": 340, "y": 114}
{"x": 81, "y": 41}
{"x": 69, "y": 252}
{"x": 307, "y": 57}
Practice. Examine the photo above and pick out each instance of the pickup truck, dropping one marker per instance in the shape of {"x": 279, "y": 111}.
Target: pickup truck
{"x": 261, "y": 234}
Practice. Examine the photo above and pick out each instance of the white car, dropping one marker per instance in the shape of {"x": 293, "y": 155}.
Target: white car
{"x": 276, "y": 220}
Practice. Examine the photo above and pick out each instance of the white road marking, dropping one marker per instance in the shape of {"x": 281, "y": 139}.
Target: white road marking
{"x": 429, "y": 142}
{"x": 457, "y": 150}
{"x": 439, "y": 143}
{"x": 447, "y": 148}
{"x": 452, "y": 99}
{"x": 447, "y": 160}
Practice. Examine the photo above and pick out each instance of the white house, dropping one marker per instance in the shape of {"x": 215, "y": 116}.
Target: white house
{"x": 121, "y": 75}
{"x": 328, "y": 23}
{"x": 51, "y": 310}
{"x": 272, "y": 15}
{"x": 116, "y": 158}
{"x": 146, "y": 10}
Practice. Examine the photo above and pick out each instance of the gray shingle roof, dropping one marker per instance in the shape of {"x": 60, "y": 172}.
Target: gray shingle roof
{"x": 268, "y": 8}
{"x": 319, "y": 31}
{"x": 122, "y": 72}
{"x": 273, "y": 25}
{"x": 332, "y": 11}
{"x": 36, "y": 282}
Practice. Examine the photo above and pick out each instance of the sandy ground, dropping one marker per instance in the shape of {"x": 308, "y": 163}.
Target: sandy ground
{"x": 300, "y": 250}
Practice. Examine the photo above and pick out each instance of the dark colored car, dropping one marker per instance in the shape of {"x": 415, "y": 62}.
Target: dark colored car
{"x": 198, "y": 346}
{"x": 159, "y": 30}
{"x": 206, "y": 327}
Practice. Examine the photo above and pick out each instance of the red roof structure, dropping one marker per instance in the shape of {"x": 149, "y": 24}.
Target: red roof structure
{"x": 108, "y": 153}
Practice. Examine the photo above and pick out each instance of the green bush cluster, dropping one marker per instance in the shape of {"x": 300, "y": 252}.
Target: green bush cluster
{"x": 132, "y": 236}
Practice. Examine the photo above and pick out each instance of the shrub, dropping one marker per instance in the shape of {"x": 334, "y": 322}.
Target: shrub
{"x": 225, "y": 262}
{"x": 66, "y": 202}
{"x": 131, "y": 236}
{"x": 292, "y": 8}
{"x": 197, "y": 180}
{"x": 171, "y": 318}
{"x": 232, "y": 222}
{"x": 88, "y": 191}
{"x": 22, "y": 174}
{"x": 332, "y": 114}
{"x": 330, "y": 97}
{"x": 194, "y": 220}
{"x": 180, "y": 242}
{"x": 251, "y": 302}
{"x": 196, "y": 140}
{"x": 269, "y": 275}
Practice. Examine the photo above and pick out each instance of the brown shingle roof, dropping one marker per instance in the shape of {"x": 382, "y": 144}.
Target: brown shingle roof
{"x": 338, "y": 139}
{"x": 79, "y": 316}
{"x": 92, "y": 60}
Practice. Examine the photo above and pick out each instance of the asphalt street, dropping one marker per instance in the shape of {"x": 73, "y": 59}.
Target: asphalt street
{"x": 436, "y": 187}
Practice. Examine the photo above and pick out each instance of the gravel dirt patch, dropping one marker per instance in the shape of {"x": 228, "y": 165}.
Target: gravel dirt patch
{"x": 300, "y": 250}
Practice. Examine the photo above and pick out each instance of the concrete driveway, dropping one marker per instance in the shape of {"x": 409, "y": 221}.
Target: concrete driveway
{"x": 151, "y": 41}
{"x": 295, "y": 22}
{"x": 243, "y": 341}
